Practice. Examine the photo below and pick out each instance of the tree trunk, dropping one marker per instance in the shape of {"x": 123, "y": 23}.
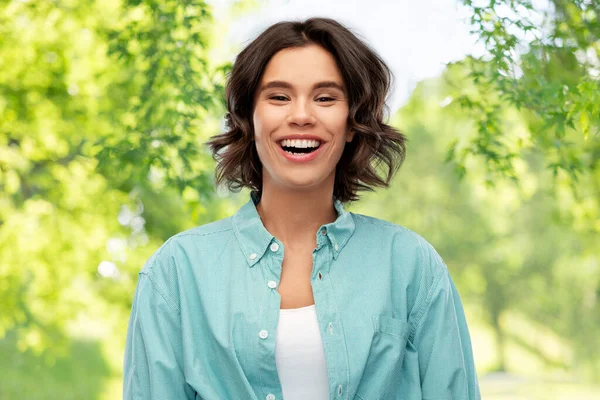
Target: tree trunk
{"x": 500, "y": 350}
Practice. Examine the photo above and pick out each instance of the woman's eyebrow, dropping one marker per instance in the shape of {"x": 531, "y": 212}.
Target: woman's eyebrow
{"x": 287, "y": 85}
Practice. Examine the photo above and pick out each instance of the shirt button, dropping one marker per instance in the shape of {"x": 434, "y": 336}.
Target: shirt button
{"x": 272, "y": 284}
{"x": 270, "y": 396}
{"x": 252, "y": 256}
{"x": 274, "y": 247}
{"x": 263, "y": 334}
{"x": 323, "y": 231}
{"x": 336, "y": 247}
{"x": 340, "y": 390}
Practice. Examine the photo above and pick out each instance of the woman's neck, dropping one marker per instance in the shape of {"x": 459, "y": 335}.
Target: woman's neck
{"x": 294, "y": 217}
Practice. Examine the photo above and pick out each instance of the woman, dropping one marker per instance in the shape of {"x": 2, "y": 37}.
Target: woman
{"x": 294, "y": 297}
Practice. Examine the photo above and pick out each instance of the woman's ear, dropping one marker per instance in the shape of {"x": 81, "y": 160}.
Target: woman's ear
{"x": 350, "y": 136}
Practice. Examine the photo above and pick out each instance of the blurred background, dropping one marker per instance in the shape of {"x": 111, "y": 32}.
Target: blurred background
{"x": 105, "y": 106}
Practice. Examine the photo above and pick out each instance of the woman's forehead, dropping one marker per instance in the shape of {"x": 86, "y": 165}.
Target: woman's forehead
{"x": 301, "y": 71}
{"x": 303, "y": 65}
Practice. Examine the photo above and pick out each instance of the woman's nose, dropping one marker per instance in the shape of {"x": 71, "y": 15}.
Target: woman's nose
{"x": 301, "y": 113}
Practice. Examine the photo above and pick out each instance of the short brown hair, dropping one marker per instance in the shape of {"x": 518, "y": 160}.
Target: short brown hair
{"x": 368, "y": 80}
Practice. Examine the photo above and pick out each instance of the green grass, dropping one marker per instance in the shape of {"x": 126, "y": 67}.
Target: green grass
{"x": 519, "y": 388}
{"x": 81, "y": 374}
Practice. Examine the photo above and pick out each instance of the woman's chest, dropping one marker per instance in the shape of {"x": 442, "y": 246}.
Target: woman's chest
{"x": 294, "y": 286}
{"x": 232, "y": 314}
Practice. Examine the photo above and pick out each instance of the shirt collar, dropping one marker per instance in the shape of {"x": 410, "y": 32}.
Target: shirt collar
{"x": 254, "y": 237}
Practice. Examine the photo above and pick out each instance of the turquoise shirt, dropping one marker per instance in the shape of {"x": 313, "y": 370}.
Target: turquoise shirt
{"x": 204, "y": 316}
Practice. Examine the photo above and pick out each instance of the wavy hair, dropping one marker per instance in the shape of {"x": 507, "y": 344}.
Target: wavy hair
{"x": 375, "y": 145}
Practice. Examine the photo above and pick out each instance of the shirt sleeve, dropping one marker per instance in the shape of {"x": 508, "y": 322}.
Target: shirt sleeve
{"x": 153, "y": 362}
{"x": 443, "y": 343}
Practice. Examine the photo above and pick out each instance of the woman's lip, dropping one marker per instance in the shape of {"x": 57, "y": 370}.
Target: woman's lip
{"x": 301, "y": 157}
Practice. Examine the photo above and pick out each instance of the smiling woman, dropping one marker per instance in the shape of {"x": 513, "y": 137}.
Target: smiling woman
{"x": 293, "y": 297}
{"x": 304, "y": 72}
{"x": 301, "y": 108}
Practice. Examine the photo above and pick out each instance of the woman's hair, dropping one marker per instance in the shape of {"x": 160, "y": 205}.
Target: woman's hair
{"x": 367, "y": 78}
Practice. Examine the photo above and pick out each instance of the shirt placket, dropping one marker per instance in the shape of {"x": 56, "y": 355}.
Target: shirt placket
{"x": 332, "y": 332}
{"x": 268, "y": 319}
{"x": 328, "y": 317}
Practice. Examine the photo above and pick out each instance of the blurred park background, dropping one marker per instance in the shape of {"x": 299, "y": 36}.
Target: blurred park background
{"x": 104, "y": 109}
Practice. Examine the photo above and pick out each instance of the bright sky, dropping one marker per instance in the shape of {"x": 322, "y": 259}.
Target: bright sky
{"x": 415, "y": 38}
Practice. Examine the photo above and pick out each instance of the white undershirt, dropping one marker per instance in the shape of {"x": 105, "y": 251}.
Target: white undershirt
{"x": 300, "y": 356}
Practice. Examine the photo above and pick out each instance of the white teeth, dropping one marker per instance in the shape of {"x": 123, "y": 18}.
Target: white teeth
{"x": 300, "y": 143}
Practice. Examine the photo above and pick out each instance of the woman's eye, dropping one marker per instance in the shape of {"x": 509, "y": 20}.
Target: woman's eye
{"x": 277, "y": 98}
{"x": 320, "y": 99}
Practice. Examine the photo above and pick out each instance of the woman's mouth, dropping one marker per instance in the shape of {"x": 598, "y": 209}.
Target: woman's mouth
{"x": 300, "y": 150}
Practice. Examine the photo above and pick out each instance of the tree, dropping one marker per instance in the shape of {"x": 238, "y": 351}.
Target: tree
{"x": 103, "y": 109}
{"x": 545, "y": 63}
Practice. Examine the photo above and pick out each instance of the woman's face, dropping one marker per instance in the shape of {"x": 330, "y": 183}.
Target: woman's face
{"x": 301, "y": 96}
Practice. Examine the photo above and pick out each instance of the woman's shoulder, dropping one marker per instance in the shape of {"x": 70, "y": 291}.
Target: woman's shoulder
{"x": 405, "y": 244}
{"x": 175, "y": 261}
{"x": 384, "y": 228}
{"x": 209, "y": 228}
{"x": 193, "y": 240}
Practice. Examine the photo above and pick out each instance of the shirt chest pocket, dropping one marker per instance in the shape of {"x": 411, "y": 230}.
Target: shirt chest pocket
{"x": 381, "y": 376}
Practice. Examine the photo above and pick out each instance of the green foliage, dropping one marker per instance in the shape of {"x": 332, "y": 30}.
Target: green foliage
{"x": 56, "y": 212}
{"x": 168, "y": 90}
{"x": 103, "y": 110}
{"x": 544, "y": 62}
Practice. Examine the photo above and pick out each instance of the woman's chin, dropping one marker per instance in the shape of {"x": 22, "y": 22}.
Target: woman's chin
{"x": 302, "y": 184}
